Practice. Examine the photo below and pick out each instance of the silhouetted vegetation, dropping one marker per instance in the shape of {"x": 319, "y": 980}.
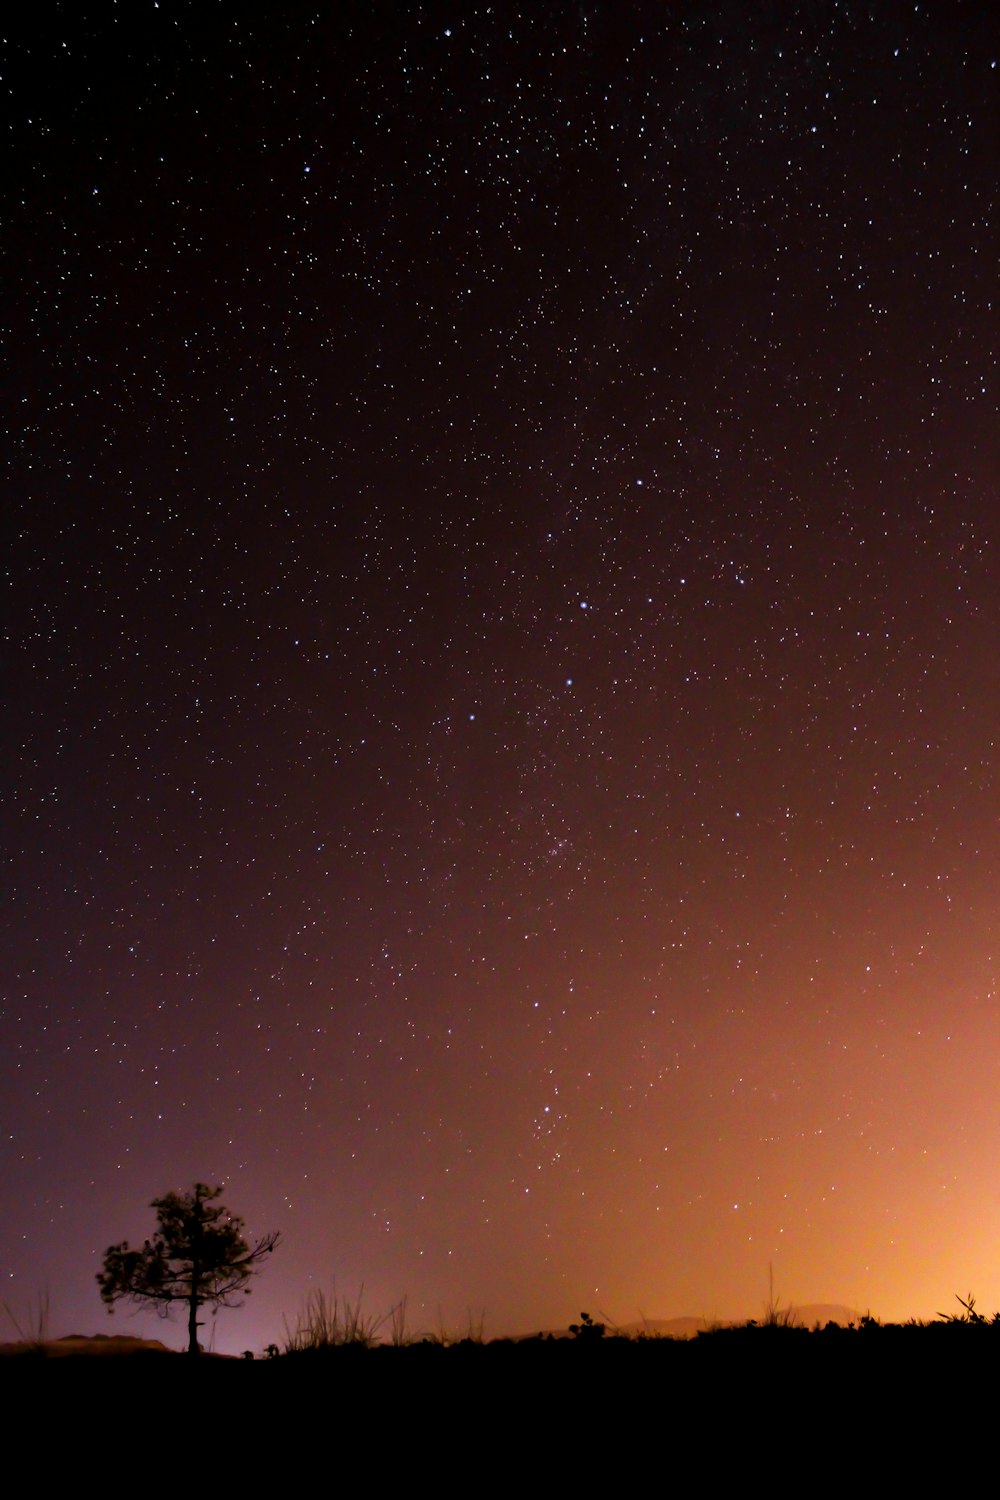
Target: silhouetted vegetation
{"x": 587, "y": 1329}
{"x": 198, "y": 1255}
{"x": 332, "y": 1322}
{"x": 969, "y": 1313}
{"x": 635, "y": 1396}
{"x": 32, "y": 1326}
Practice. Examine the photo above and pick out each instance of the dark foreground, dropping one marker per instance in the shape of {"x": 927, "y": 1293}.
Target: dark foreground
{"x": 890, "y": 1401}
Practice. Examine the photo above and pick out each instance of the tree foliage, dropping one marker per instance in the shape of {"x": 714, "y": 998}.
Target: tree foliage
{"x": 197, "y": 1255}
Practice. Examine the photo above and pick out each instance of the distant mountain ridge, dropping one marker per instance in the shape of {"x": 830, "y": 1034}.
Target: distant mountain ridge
{"x": 83, "y": 1343}
{"x": 808, "y": 1315}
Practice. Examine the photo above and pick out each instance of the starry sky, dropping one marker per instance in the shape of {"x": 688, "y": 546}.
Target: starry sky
{"x": 502, "y": 652}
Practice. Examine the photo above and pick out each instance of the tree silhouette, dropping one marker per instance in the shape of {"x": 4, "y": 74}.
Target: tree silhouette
{"x": 197, "y": 1255}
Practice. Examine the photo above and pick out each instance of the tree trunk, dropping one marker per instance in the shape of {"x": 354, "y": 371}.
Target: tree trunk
{"x": 193, "y": 1348}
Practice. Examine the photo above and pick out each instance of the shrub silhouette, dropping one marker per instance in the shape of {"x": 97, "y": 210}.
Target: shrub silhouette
{"x": 587, "y": 1330}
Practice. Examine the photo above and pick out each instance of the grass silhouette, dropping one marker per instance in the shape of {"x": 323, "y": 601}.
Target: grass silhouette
{"x": 333, "y": 1322}
{"x": 33, "y": 1330}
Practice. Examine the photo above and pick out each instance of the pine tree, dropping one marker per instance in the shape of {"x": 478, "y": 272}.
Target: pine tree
{"x": 198, "y": 1255}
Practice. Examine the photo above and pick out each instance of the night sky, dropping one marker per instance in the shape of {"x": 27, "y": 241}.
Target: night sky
{"x": 503, "y": 652}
